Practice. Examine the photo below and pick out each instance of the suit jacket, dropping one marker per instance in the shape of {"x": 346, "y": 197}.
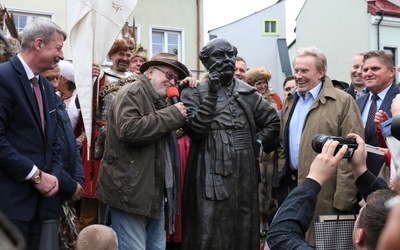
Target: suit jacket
{"x": 22, "y": 141}
{"x": 374, "y": 162}
{"x": 351, "y": 91}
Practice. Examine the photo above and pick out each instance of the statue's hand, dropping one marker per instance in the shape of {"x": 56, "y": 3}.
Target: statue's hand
{"x": 214, "y": 83}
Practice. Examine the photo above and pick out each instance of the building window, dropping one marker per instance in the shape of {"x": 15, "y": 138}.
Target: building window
{"x": 20, "y": 22}
{"x": 270, "y": 27}
{"x": 392, "y": 51}
{"x": 166, "y": 41}
{"x": 22, "y": 18}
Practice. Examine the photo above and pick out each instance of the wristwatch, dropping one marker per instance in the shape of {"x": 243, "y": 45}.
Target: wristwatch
{"x": 38, "y": 178}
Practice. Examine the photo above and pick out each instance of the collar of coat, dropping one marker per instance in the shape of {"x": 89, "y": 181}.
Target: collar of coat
{"x": 327, "y": 91}
{"x": 144, "y": 83}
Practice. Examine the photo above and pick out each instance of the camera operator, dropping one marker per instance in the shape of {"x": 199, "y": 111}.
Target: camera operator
{"x": 294, "y": 216}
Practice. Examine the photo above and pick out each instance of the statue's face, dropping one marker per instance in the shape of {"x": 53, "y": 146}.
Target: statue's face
{"x": 222, "y": 59}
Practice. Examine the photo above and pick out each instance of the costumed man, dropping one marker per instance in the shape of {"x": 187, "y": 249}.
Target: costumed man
{"x": 108, "y": 83}
{"x": 220, "y": 199}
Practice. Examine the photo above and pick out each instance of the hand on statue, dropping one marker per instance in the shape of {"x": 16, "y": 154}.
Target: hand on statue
{"x": 189, "y": 82}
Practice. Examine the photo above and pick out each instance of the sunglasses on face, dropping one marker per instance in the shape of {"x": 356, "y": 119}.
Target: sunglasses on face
{"x": 168, "y": 75}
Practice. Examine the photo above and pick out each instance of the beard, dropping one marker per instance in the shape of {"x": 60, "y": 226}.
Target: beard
{"x": 225, "y": 78}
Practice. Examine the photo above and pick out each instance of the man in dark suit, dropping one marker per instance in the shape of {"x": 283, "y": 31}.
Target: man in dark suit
{"x": 378, "y": 74}
{"x": 30, "y": 161}
{"x": 357, "y": 87}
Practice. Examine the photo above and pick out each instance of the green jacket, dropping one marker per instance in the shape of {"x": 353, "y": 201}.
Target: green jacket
{"x": 132, "y": 174}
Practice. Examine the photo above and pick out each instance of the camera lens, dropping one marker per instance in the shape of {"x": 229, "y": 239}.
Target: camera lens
{"x": 318, "y": 142}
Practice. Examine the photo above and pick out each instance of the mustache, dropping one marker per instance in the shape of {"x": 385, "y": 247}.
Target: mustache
{"x": 224, "y": 66}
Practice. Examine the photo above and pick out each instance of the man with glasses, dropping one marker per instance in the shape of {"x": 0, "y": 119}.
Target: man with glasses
{"x": 140, "y": 167}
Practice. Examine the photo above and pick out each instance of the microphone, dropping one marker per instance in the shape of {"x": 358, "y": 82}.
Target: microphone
{"x": 173, "y": 94}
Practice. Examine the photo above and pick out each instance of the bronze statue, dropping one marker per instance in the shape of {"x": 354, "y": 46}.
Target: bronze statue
{"x": 227, "y": 119}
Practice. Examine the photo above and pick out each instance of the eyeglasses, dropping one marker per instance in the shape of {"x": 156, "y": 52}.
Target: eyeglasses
{"x": 259, "y": 82}
{"x": 169, "y": 75}
{"x": 51, "y": 78}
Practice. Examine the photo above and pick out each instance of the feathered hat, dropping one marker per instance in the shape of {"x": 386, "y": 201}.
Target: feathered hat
{"x": 141, "y": 52}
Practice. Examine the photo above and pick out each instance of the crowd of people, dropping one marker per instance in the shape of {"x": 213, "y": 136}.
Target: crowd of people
{"x": 227, "y": 163}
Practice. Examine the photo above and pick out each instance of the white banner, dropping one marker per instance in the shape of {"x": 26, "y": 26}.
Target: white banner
{"x": 97, "y": 24}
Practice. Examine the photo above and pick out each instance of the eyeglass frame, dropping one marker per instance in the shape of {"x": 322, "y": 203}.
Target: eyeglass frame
{"x": 259, "y": 82}
{"x": 168, "y": 75}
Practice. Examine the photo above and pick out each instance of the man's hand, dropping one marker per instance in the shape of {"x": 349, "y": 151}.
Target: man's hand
{"x": 78, "y": 193}
{"x": 380, "y": 117}
{"x": 189, "y": 82}
{"x": 95, "y": 70}
{"x": 357, "y": 164}
{"x": 181, "y": 108}
{"x": 48, "y": 185}
{"x": 324, "y": 165}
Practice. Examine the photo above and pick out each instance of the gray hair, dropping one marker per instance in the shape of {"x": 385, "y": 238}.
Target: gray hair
{"x": 39, "y": 28}
{"x": 320, "y": 58}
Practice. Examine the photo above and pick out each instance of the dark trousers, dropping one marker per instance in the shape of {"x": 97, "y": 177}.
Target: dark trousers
{"x": 31, "y": 231}
{"x": 286, "y": 187}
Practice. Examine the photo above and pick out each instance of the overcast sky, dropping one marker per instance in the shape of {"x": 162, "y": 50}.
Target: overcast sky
{"x": 221, "y": 12}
